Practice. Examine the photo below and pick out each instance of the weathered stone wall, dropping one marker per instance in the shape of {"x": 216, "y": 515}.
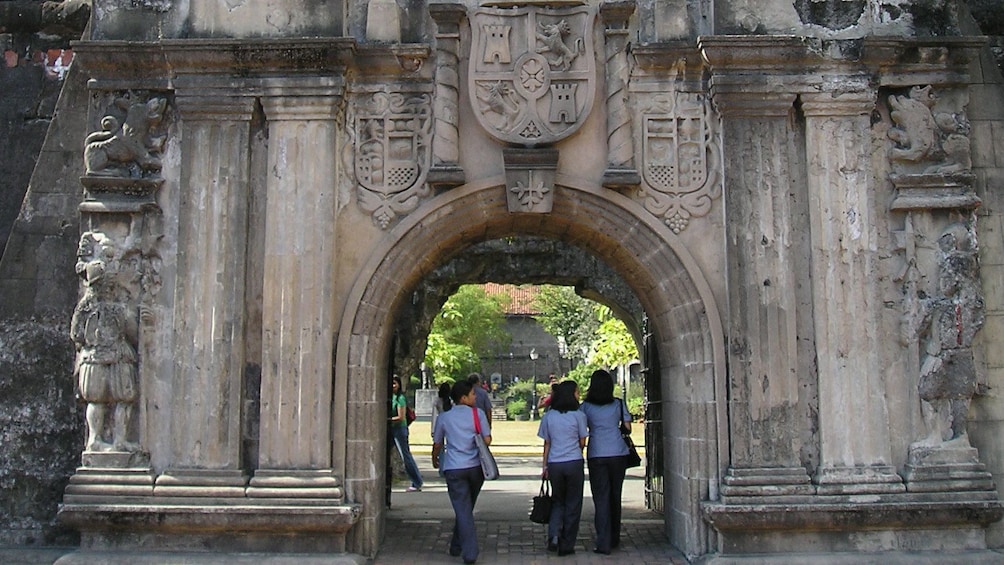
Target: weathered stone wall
{"x": 38, "y": 289}
{"x": 986, "y": 114}
{"x": 40, "y": 431}
{"x": 42, "y": 101}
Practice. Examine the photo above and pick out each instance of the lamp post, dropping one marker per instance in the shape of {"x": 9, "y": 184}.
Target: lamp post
{"x": 534, "y": 414}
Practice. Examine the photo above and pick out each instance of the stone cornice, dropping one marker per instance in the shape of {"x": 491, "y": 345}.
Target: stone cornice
{"x": 244, "y": 63}
{"x": 660, "y": 58}
{"x": 799, "y": 63}
{"x": 905, "y": 61}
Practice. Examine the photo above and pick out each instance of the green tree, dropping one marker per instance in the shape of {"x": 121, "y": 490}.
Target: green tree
{"x": 568, "y": 316}
{"x": 449, "y": 361}
{"x": 470, "y": 325}
{"x": 614, "y": 344}
{"x": 472, "y": 318}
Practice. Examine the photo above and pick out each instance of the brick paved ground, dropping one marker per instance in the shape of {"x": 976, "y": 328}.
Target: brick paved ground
{"x": 419, "y": 524}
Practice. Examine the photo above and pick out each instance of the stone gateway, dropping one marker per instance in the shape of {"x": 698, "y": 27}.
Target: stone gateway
{"x": 802, "y": 199}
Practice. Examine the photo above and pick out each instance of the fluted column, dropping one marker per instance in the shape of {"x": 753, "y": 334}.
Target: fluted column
{"x": 855, "y": 453}
{"x": 209, "y": 297}
{"x": 621, "y": 169}
{"x": 762, "y": 168}
{"x": 298, "y": 293}
{"x": 446, "y": 170}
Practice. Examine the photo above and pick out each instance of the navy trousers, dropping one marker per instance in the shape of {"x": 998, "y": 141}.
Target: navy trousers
{"x": 606, "y": 482}
{"x": 464, "y": 486}
{"x": 567, "y": 479}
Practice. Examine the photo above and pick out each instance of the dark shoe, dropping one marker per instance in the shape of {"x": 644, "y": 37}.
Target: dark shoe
{"x": 615, "y": 544}
{"x": 470, "y": 561}
{"x": 601, "y": 552}
{"x": 564, "y": 552}
{"x": 552, "y": 547}
{"x": 454, "y": 552}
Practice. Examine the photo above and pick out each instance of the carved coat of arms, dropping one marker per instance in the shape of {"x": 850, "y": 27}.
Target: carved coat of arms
{"x": 681, "y": 158}
{"x": 392, "y": 154}
{"x": 532, "y": 72}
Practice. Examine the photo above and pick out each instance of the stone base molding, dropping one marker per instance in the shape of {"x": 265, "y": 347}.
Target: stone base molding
{"x": 300, "y": 512}
{"x": 857, "y": 524}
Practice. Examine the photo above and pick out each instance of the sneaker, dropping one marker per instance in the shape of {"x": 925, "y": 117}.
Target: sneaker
{"x": 414, "y": 489}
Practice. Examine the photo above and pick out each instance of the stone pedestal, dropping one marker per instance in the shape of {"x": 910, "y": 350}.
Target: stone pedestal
{"x": 947, "y": 468}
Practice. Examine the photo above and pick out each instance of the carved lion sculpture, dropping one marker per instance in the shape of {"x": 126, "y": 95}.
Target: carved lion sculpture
{"x": 915, "y": 133}
{"x": 128, "y": 150}
{"x": 553, "y": 38}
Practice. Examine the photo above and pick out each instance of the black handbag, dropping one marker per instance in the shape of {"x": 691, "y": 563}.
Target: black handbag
{"x": 632, "y": 458}
{"x": 540, "y": 510}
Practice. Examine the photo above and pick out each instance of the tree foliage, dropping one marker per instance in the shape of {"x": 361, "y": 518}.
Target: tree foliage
{"x": 470, "y": 325}
{"x": 568, "y": 316}
{"x": 613, "y": 345}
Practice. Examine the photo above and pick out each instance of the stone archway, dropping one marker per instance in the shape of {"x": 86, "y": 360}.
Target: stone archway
{"x": 684, "y": 317}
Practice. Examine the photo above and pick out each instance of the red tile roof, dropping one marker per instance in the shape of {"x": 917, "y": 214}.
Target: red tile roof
{"x": 523, "y": 297}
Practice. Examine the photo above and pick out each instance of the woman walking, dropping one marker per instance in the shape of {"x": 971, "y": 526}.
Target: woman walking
{"x": 454, "y": 451}
{"x": 563, "y": 429}
{"x": 441, "y": 404}
{"x": 606, "y": 457}
{"x": 399, "y": 430}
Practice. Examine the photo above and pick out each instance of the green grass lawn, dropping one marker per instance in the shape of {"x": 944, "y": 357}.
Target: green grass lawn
{"x": 508, "y": 433}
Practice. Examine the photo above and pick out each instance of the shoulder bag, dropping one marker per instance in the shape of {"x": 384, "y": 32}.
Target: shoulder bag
{"x": 488, "y": 464}
{"x": 540, "y": 510}
{"x": 632, "y": 458}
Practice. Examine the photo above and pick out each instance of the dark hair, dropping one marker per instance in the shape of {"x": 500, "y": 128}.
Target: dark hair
{"x": 601, "y": 388}
{"x": 444, "y": 395}
{"x": 563, "y": 397}
{"x": 460, "y": 389}
{"x": 474, "y": 378}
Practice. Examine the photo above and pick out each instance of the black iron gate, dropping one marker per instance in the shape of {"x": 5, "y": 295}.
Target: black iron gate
{"x": 654, "y": 479}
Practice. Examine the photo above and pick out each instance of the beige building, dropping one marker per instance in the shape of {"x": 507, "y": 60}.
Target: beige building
{"x": 803, "y": 198}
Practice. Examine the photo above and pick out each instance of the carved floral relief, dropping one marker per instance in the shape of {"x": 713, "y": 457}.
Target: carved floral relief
{"x": 681, "y": 158}
{"x": 391, "y": 141}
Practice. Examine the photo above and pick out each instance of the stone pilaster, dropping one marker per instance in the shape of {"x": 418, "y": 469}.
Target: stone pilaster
{"x": 446, "y": 170}
{"x": 761, "y": 172}
{"x": 847, "y": 306}
{"x": 621, "y": 170}
{"x": 294, "y": 457}
{"x": 209, "y": 351}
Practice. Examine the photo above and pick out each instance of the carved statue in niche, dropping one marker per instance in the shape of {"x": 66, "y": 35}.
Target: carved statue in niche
{"x": 105, "y": 329}
{"x": 127, "y": 147}
{"x": 923, "y": 135}
{"x": 947, "y": 324}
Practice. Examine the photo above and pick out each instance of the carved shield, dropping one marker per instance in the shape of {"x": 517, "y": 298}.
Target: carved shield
{"x": 392, "y": 153}
{"x": 681, "y": 157}
{"x": 532, "y": 72}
